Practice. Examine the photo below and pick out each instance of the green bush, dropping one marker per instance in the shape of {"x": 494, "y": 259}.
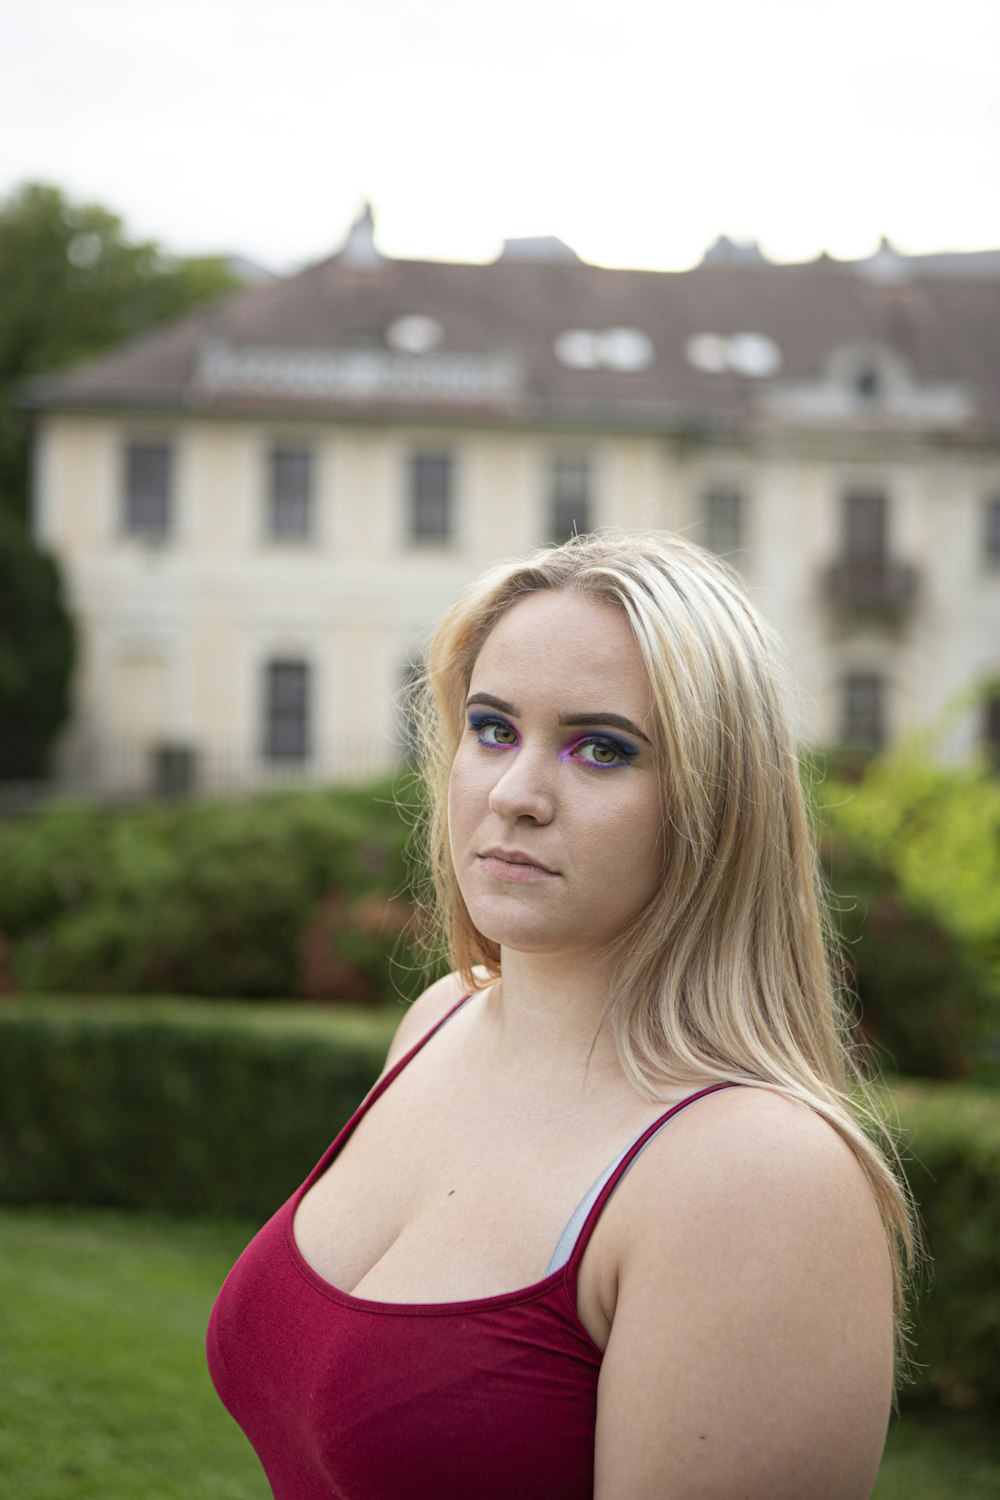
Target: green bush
{"x": 912, "y": 853}
{"x": 296, "y": 893}
{"x": 926, "y": 1004}
{"x": 176, "y": 1106}
{"x": 938, "y": 830}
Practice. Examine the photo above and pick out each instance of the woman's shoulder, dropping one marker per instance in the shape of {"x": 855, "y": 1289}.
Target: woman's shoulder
{"x": 751, "y": 1152}
{"x": 424, "y": 1013}
{"x": 751, "y": 1257}
{"x": 751, "y": 1186}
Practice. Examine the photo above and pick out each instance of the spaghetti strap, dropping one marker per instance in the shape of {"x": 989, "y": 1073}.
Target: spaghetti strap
{"x": 576, "y": 1236}
{"x": 379, "y": 1088}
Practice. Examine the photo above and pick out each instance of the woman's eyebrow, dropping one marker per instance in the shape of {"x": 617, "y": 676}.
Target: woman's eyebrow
{"x": 575, "y": 720}
{"x": 613, "y": 721}
{"x": 488, "y": 698}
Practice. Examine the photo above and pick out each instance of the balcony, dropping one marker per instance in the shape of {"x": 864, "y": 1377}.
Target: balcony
{"x": 870, "y": 586}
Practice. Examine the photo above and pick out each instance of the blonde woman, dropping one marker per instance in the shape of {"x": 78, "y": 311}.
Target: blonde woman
{"x": 607, "y": 1226}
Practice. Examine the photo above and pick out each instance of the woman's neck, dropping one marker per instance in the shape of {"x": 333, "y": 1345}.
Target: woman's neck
{"x": 547, "y": 1009}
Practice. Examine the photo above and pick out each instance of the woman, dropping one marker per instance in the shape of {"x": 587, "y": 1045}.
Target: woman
{"x": 465, "y": 1299}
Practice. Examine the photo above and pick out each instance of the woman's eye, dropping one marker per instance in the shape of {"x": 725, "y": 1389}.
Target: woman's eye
{"x": 495, "y": 733}
{"x": 601, "y": 752}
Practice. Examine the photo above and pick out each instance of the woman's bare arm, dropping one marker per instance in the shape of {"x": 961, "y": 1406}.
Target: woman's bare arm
{"x": 750, "y": 1355}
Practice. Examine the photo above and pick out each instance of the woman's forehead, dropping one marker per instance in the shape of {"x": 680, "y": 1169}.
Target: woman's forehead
{"x": 563, "y": 643}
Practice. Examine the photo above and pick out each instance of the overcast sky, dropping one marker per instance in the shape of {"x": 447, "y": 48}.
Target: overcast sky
{"x": 637, "y": 131}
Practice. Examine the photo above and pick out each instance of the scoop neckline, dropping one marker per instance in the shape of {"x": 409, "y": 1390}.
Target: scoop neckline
{"x": 533, "y": 1290}
{"x": 326, "y": 1288}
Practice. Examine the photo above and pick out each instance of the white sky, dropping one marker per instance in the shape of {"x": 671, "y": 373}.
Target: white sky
{"x": 637, "y": 131}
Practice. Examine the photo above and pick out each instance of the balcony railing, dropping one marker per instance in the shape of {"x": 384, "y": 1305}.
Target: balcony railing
{"x": 878, "y": 586}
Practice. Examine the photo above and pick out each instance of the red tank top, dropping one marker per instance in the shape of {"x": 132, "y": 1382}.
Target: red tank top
{"x": 349, "y": 1399}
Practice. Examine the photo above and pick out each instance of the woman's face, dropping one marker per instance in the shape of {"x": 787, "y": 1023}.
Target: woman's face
{"x": 554, "y": 808}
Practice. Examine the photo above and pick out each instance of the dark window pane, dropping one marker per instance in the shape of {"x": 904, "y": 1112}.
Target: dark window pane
{"x": 147, "y": 489}
{"x": 569, "y": 498}
{"x": 723, "y": 520}
{"x": 991, "y": 531}
{"x": 430, "y": 497}
{"x": 863, "y": 716}
{"x": 409, "y": 734}
{"x": 291, "y": 493}
{"x": 865, "y": 524}
{"x": 286, "y": 708}
{"x": 991, "y": 727}
{"x": 867, "y": 384}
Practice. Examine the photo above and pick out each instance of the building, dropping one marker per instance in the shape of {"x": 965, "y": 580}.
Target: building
{"x": 261, "y": 509}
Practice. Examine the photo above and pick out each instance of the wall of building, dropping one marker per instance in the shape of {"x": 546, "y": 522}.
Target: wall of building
{"x": 177, "y": 633}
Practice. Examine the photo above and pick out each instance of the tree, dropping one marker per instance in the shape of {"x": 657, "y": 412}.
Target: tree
{"x": 36, "y": 654}
{"x": 71, "y": 284}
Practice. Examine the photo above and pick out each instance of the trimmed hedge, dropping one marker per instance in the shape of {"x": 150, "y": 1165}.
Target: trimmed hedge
{"x": 953, "y": 1134}
{"x": 176, "y": 1106}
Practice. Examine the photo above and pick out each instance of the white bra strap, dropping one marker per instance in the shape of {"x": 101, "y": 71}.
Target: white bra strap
{"x": 568, "y": 1238}
{"x": 570, "y": 1235}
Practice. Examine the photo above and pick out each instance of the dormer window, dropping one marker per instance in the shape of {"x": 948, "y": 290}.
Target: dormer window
{"x": 868, "y": 373}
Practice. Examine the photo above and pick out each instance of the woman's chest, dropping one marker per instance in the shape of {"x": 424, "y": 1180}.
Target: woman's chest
{"x": 451, "y": 1198}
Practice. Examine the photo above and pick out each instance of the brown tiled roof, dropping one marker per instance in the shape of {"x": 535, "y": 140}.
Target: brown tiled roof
{"x": 945, "y": 329}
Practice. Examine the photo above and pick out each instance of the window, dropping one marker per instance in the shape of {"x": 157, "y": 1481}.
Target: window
{"x": 722, "y": 519}
{"x": 865, "y": 525}
{"x": 286, "y": 710}
{"x": 991, "y": 727}
{"x": 430, "y": 497}
{"x": 868, "y": 384}
{"x": 408, "y": 730}
{"x": 569, "y": 497}
{"x": 290, "y": 499}
{"x": 147, "y": 489}
{"x": 863, "y": 711}
{"x": 991, "y": 531}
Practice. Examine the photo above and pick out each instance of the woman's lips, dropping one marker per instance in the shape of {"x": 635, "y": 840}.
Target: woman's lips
{"x": 511, "y": 864}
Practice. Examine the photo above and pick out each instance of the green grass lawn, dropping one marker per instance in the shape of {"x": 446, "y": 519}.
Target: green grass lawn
{"x": 105, "y": 1392}
{"x": 102, "y": 1368}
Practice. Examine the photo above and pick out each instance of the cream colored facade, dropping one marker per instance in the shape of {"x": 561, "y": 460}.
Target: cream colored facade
{"x": 177, "y": 633}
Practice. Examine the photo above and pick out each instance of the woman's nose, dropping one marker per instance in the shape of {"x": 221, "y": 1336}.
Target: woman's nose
{"x": 523, "y": 791}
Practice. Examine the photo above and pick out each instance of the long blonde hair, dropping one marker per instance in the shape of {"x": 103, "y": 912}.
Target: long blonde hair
{"x": 726, "y": 973}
